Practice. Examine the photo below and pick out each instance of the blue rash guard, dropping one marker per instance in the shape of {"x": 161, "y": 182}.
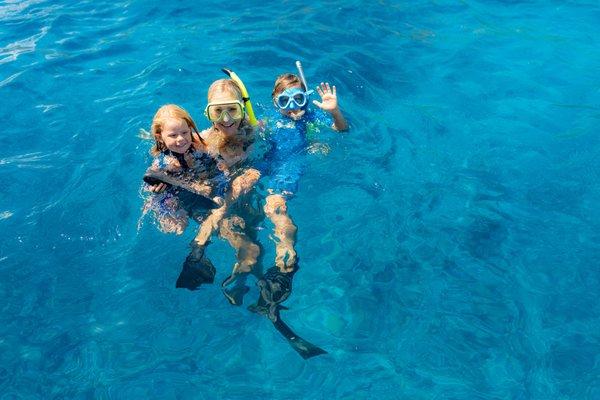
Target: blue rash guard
{"x": 288, "y": 139}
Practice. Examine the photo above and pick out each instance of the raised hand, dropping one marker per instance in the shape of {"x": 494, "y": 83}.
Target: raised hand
{"x": 328, "y": 95}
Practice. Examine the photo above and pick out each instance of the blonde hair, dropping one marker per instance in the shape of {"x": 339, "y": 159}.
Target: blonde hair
{"x": 165, "y": 112}
{"x": 227, "y": 86}
{"x": 245, "y": 129}
{"x": 285, "y": 81}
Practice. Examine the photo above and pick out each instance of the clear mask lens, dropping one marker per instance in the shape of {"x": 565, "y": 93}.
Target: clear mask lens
{"x": 227, "y": 111}
{"x": 291, "y": 100}
{"x": 300, "y": 99}
{"x": 283, "y": 100}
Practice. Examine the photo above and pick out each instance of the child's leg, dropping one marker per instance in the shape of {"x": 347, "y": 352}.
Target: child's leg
{"x": 285, "y": 232}
{"x": 173, "y": 223}
{"x": 240, "y": 185}
{"x": 247, "y": 252}
{"x": 232, "y": 230}
{"x": 208, "y": 226}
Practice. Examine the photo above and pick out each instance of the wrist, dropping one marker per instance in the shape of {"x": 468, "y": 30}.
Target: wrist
{"x": 335, "y": 112}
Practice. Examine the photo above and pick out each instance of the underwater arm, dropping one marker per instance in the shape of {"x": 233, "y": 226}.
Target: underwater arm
{"x": 240, "y": 185}
{"x": 158, "y": 188}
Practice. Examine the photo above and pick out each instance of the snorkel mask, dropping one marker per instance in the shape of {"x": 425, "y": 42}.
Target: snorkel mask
{"x": 235, "y": 110}
{"x": 294, "y": 98}
{"x": 217, "y": 112}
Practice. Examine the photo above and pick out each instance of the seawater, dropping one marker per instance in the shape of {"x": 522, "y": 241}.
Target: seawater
{"x": 449, "y": 241}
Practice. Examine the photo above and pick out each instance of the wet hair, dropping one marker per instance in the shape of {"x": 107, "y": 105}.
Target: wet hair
{"x": 227, "y": 86}
{"x": 245, "y": 130}
{"x": 285, "y": 81}
{"x": 230, "y": 87}
{"x": 165, "y": 112}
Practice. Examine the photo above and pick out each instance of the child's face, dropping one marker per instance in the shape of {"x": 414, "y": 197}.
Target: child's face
{"x": 293, "y": 114}
{"x": 176, "y": 135}
{"x": 227, "y": 125}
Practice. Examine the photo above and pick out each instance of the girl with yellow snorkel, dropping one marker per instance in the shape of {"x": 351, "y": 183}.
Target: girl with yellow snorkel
{"x": 230, "y": 139}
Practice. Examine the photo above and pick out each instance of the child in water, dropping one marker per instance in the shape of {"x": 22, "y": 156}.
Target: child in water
{"x": 230, "y": 139}
{"x": 288, "y": 139}
{"x": 183, "y": 173}
{"x": 187, "y": 182}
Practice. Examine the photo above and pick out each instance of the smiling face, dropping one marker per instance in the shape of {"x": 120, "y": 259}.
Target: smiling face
{"x": 176, "y": 135}
{"x": 285, "y": 82}
{"x": 227, "y": 125}
{"x": 295, "y": 113}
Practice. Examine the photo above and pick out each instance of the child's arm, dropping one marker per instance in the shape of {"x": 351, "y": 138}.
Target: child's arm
{"x": 329, "y": 103}
{"x": 155, "y": 187}
{"x": 242, "y": 184}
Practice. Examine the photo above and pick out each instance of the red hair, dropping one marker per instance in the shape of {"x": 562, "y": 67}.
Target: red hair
{"x": 166, "y": 112}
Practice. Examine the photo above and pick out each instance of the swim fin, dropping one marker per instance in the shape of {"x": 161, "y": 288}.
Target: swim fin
{"x": 193, "y": 195}
{"x": 276, "y": 287}
{"x": 196, "y": 271}
{"x": 235, "y": 295}
{"x": 302, "y": 347}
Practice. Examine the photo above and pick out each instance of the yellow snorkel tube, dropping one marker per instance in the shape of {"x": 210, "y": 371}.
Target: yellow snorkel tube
{"x": 245, "y": 95}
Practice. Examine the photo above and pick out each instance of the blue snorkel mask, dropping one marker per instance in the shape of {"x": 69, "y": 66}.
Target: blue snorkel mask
{"x": 294, "y": 98}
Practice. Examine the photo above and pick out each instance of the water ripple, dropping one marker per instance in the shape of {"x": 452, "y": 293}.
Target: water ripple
{"x": 37, "y": 160}
{"x": 13, "y": 50}
{"x": 447, "y": 242}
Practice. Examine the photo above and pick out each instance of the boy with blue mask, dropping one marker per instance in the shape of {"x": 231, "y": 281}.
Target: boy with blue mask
{"x": 291, "y": 99}
{"x": 287, "y": 134}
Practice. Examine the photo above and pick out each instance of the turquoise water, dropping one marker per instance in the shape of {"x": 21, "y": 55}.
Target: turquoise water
{"x": 449, "y": 242}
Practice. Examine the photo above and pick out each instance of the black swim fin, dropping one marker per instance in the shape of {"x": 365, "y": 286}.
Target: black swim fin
{"x": 276, "y": 287}
{"x": 235, "y": 295}
{"x": 195, "y": 272}
{"x": 195, "y": 199}
{"x": 302, "y": 347}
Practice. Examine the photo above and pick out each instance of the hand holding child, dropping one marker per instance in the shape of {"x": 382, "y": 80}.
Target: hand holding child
{"x": 157, "y": 188}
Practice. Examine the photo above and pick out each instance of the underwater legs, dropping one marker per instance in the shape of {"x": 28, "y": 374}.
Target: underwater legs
{"x": 247, "y": 252}
{"x": 284, "y": 232}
